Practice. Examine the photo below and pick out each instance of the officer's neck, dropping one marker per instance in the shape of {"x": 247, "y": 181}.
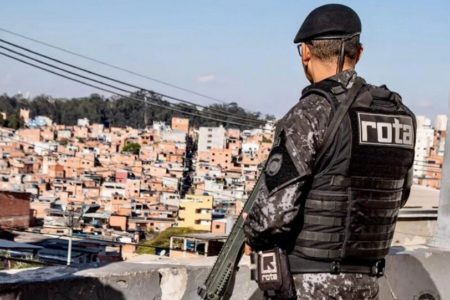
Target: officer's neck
{"x": 323, "y": 70}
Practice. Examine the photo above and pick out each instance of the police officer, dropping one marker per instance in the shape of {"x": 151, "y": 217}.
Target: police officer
{"x": 339, "y": 171}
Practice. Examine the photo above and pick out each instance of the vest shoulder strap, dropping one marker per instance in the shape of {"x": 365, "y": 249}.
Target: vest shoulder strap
{"x": 338, "y": 117}
{"x": 326, "y": 89}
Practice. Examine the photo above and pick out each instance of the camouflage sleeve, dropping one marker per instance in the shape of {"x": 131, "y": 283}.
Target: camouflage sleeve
{"x": 270, "y": 220}
{"x": 273, "y": 218}
{"x": 305, "y": 125}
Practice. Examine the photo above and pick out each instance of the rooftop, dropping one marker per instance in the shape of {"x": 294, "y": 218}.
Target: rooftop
{"x": 5, "y": 244}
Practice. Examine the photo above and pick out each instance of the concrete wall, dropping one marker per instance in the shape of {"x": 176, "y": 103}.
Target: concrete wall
{"x": 411, "y": 274}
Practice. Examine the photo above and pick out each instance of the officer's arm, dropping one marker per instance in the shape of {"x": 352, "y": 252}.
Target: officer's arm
{"x": 271, "y": 219}
{"x": 275, "y": 216}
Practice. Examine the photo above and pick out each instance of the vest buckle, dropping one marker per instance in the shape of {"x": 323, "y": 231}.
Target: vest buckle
{"x": 335, "y": 268}
{"x": 378, "y": 268}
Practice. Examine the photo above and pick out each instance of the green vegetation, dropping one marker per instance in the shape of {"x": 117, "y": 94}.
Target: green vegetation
{"x": 25, "y": 265}
{"x": 12, "y": 121}
{"x": 133, "y": 148}
{"x": 12, "y": 264}
{"x": 63, "y": 142}
{"x": 163, "y": 239}
{"x": 112, "y": 111}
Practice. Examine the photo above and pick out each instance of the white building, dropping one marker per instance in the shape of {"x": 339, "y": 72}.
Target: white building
{"x": 441, "y": 123}
{"x": 250, "y": 148}
{"x": 160, "y": 126}
{"x": 83, "y": 122}
{"x": 422, "y": 120}
{"x": 211, "y": 138}
{"x": 43, "y": 148}
{"x": 269, "y": 127}
{"x": 424, "y": 142}
{"x": 173, "y": 136}
{"x": 170, "y": 182}
{"x": 64, "y": 134}
{"x": 39, "y": 121}
{"x": 108, "y": 189}
{"x": 170, "y": 198}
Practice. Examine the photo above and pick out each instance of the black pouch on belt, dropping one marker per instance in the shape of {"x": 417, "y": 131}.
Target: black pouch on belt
{"x": 273, "y": 274}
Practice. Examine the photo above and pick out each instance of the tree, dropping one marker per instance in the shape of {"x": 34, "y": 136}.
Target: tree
{"x": 64, "y": 142}
{"x": 133, "y": 148}
{"x": 118, "y": 111}
{"x": 15, "y": 121}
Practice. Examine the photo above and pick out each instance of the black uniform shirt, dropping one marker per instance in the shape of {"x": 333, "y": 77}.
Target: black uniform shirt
{"x": 274, "y": 217}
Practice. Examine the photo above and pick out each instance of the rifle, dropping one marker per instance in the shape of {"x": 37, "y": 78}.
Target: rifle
{"x": 220, "y": 281}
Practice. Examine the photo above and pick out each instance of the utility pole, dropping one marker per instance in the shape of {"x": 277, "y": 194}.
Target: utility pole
{"x": 69, "y": 223}
{"x": 442, "y": 235}
{"x": 145, "y": 111}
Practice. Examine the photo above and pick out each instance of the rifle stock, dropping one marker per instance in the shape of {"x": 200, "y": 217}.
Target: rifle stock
{"x": 220, "y": 281}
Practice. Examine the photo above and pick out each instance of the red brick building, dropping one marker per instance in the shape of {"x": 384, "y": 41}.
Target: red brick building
{"x": 14, "y": 210}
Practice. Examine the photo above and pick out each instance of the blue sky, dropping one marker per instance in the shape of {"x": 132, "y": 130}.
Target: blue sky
{"x": 238, "y": 51}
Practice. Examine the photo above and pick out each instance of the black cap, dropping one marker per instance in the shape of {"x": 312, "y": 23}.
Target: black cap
{"x": 330, "y": 20}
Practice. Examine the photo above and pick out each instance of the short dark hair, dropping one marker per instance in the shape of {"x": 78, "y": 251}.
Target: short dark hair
{"x": 328, "y": 49}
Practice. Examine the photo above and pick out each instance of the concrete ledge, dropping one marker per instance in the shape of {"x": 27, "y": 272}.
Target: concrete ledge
{"x": 417, "y": 271}
{"x": 410, "y": 274}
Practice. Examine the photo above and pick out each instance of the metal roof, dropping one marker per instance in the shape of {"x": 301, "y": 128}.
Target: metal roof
{"x": 5, "y": 244}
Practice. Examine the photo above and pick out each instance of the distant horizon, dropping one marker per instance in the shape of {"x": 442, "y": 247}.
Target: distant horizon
{"x": 30, "y": 98}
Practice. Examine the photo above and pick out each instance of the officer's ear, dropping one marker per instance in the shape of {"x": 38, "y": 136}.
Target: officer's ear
{"x": 306, "y": 53}
{"x": 359, "y": 53}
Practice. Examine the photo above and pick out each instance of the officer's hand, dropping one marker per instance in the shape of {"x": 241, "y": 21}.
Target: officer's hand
{"x": 248, "y": 250}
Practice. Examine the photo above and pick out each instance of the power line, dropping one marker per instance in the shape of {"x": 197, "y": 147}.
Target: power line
{"x": 221, "y": 112}
{"x": 124, "y": 96}
{"x": 121, "y": 89}
{"x": 113, "y": 66}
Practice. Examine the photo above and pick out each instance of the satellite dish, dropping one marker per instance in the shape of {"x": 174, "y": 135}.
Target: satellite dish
{"x": 162, "y": 253}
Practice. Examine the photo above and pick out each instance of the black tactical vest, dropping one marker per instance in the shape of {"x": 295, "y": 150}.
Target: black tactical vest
{"x": 353, "y": 199}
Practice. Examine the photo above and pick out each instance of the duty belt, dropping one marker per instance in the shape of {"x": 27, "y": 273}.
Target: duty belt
{"x": 301, "y": 265}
